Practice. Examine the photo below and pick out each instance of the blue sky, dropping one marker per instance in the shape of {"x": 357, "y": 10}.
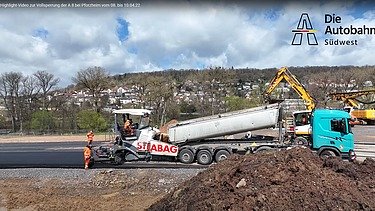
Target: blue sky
{"x": 122, "y": 29}
{"x": 182, "y": 35}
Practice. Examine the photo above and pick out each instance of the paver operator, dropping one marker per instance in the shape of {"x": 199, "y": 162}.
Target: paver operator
{"x": 128, "y": 127}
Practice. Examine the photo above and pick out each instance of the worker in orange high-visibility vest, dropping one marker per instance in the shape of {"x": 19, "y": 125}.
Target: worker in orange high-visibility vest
{"x": 90, "y": 137}
{"x": 87, "y": 155}
{"x": 128, "y": 127}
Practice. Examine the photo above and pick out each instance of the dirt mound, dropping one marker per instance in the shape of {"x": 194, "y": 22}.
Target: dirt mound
{"x": 166, "y": 126}
{"x": 295, "y": 179}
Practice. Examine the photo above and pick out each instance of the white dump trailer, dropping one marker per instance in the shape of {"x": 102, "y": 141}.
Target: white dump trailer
{"x": 224, "y": 124}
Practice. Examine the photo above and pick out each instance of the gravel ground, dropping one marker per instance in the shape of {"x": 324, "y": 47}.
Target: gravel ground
{"x": 81, "y": 175}
{"x": 49, "y": 173}
{"x": 72, "y": 189}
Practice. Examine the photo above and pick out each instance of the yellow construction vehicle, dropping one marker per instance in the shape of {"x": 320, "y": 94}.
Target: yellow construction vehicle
{"x": 301, "y": 119}
{"x": 285, "y": 74}
{"x": 354, "y": 104}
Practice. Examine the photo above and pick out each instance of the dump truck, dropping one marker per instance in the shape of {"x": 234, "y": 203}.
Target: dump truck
{"x": 208, "y": 139}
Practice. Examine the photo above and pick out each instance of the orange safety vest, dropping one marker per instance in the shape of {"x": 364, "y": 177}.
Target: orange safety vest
{"x": 90, "y": 136}
{"x": 87, "y": 153}
{"x": 127, "y": 124}
{"x": 127, "y": 127}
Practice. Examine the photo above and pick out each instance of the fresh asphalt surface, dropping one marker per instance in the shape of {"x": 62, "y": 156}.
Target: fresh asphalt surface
{"x": 63, "y": 155}
{"x": 50, "y": 154}
{"x": 70, "y": 154}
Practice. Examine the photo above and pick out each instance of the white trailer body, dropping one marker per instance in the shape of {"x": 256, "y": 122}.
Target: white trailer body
{"x": 224, "y": 124}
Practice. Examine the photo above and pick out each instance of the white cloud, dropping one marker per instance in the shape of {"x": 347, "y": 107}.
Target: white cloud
{"x": 181, "y": 36}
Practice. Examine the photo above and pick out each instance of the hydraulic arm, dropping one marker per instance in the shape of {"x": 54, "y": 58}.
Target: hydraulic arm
{"x": 349, "y": 98}
{"x": 285, "y": 74}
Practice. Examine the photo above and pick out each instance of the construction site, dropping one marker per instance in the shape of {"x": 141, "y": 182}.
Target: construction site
{"x": 279, "y": 156}
{"x": 187, "y": 105}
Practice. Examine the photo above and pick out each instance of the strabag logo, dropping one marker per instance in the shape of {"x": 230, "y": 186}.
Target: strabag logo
{"x": 304, "y": 27}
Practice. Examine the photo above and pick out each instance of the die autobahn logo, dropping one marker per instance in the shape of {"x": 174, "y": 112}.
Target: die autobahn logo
{"x": 304, "y": 27}
{"x": 335, "y": 32}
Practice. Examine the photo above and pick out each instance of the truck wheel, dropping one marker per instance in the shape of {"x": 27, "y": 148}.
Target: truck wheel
{"x": 300, "y": 141}
{"x": 119, "y": 158}
{"x": 221, "y": 155}
{"x": 327, "y": 153}
{"x": 204, "y": 157}
{"x": 186, "y": 156}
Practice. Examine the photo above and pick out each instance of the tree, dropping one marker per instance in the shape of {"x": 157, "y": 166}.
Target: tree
{"x": 91, "y": 120}
{"x": 10, "y": 86}
{"x": 42, "y": 121}
{"x": 141, "y": 85}
{"x": 29, "y": 100}
{"x": 45, "y": 82}
{"x": 154, "y": 92}
{"x": 319, "y": 85}
{"x": 235, "y": 103}
{"x": 160, "y": 96}
{"x": 95, "y": 79}
{"x": 216, "y": 84}
{"x": 2, "y": 121}
{"x": 64, "y": 111}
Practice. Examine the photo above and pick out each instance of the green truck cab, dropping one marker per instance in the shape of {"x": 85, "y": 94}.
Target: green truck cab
{"x": 331, "y": 134}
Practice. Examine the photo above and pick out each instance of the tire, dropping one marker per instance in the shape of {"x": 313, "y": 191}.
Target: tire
{"x": 204, "y": 157}
{"x": 221, "y": 155}
{"x": 186, "y": 156}
{"x": 119, "y": 158}
{"x": 327, "y": 153}
{"x": 300, "y": 141}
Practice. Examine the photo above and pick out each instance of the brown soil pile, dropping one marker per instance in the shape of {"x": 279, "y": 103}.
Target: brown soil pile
{"x": 295, "y": 179}
{"x": 166, "y": 126}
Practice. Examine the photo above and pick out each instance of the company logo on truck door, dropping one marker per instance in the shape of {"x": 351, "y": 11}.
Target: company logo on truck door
{"x": 158, "y": 148}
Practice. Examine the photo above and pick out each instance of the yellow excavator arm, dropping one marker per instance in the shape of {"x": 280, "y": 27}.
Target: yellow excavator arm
{"x": 349, "y": 98}
{"x": 285, "y": 74}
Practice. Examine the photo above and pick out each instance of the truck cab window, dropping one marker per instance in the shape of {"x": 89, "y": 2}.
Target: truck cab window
{"x": 302, "y": 119}
{"x": 338, "y": 126}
